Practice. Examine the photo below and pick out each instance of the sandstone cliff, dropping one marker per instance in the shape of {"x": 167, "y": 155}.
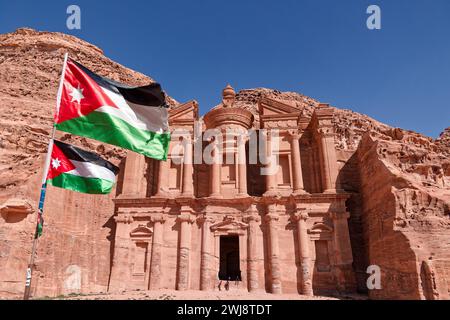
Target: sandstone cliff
{"x": 74, "y": 254}
{"x": 399, "y": 180}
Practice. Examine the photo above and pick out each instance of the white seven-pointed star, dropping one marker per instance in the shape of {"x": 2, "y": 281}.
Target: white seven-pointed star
{"x": 56, "y": 163}
{"x": 77, "y": 94}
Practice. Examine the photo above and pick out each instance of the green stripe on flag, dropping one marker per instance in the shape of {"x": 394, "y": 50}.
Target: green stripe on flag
{"x": 109, "y": 129}
{"x": 82, "y": 184}
{"x": 40, "y": 226}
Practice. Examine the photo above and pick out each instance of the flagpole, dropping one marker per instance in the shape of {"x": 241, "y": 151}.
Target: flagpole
{"x": 44, "y": 185}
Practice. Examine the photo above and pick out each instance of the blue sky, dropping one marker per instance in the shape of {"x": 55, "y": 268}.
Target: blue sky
{"x": 399, "y": 75}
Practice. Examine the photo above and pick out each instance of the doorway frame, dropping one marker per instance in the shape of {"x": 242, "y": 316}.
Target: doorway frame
{"x": 230, "y": 226}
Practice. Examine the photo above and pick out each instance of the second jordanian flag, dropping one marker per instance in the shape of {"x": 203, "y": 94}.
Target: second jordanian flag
{"x": 134, "y": 118}
{"x": 79, "y": 170}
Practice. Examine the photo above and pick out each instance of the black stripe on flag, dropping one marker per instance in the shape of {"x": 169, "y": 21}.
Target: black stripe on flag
{"x": 150, "y": 95}
{"x": 77, "y": 154}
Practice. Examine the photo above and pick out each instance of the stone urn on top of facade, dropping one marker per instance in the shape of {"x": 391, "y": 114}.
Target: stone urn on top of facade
{"x": 227, "y": 115}
{"x": 229, "y": 168}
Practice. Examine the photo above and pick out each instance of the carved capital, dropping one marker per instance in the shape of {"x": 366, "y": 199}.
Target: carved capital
{"x": 124, "y": 218}
{"x": 294, "y": 135}
{"x": 158, "y": 218}
{"x": 271, "y": 217}
{"x": 187, "y": 139}
{"x": 301, "y": 215}
{"x": 205, "y": 219}
{"x": 242, "y": 139}
{"x": 186, "y": 218}
{"x": 272, "y": 209}
{"x": 252, "y": 218}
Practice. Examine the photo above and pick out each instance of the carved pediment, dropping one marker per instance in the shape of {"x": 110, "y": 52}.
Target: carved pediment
{"x": 141, "y": 233}
{"x": 277, "y": 114}
{"x": 320, "y": 231}
{"x": 184, "y": 114}
{"x": 229, "y": 226}
{"x": 320, "y": 228}
{"x": 268, "y": 106}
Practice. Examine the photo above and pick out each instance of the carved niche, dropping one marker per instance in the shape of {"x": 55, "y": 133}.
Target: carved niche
{"x": 141, "y": 237}
{"x": 321, "y": 234}
{"x": 320, "y": 231}
{"x": 15, "y": 210}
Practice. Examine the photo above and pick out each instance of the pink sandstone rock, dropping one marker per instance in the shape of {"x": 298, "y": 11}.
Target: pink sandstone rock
{"x": 351, "y": 192}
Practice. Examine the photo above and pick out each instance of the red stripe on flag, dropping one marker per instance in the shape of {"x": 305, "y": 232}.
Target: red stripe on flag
{"x": 59, "y": 164}
{"x": 81, "y": 94}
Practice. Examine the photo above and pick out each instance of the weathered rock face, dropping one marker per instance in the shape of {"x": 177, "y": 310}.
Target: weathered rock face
{"x": 399, "y": 183}
{"x": 406, "y": 207}
{"x": 74, "y": 253}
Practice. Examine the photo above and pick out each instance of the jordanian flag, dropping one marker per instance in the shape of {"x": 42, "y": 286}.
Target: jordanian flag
{"x": 82, "y": 171}
{"x": 134, "y": 118}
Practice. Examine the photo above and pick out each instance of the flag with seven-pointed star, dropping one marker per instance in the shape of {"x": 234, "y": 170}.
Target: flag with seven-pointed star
{"x": 79, "y": 170}
{"x": 134, "y": 118}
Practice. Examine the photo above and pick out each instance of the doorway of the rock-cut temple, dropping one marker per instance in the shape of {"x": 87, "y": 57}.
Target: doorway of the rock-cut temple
{"x": 230, "y": 266}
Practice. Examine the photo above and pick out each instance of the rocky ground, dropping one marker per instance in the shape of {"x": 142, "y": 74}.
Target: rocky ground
{"x": 193, "y": 295}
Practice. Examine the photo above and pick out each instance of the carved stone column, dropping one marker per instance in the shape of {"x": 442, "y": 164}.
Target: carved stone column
{"x": 163, "y": 178}
{"x": 271, "y": 179}
{"x": 242, "y": 163}
{"x": 345, "y": 276}
{"x": 186, "y": 221}
{"x": 216, "y": 178}
{"x": 205, "y": 263}
{"x": 304, "y": 252}
{"x": 297, "y": 164}
{"x": 316, "y": 171}
{"x": 157, "y": 245}
{"x": 329, "y": 166}
{"x": 253, "y": 221}
{"x": 188, "y": 169}
{"x": 274, "y": 250}
{"x": 323, "y": 124}
{"x": 134, "y": 183}
{"x": 120, "y": 271}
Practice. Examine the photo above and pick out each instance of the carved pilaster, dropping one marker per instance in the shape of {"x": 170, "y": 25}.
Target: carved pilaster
{"x": 274, "y": 251}
{"x": 185, "y": 221}
{"x": 323, "y": 123}
{"x": 163, "y": 178}
{"x": 205, "y": 263}
{"x": 253, "y": 220}
{"x": 188, "y": 169}
{"x": 329, "y": 165}
{"x": 134, "y": 182}
{"x": 119, "y": 269}
{"x": 345, "y": 276}
{"x": 301, "y": 217}
{"x": 157, "y": 245}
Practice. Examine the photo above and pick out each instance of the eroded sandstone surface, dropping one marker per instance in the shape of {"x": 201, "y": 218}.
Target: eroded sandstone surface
{"x": 399, "y": 183}
{"x": 77, "y": 227}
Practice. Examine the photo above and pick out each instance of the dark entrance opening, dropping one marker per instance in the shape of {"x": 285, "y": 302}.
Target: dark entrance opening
{"x": 230, "y": 268}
